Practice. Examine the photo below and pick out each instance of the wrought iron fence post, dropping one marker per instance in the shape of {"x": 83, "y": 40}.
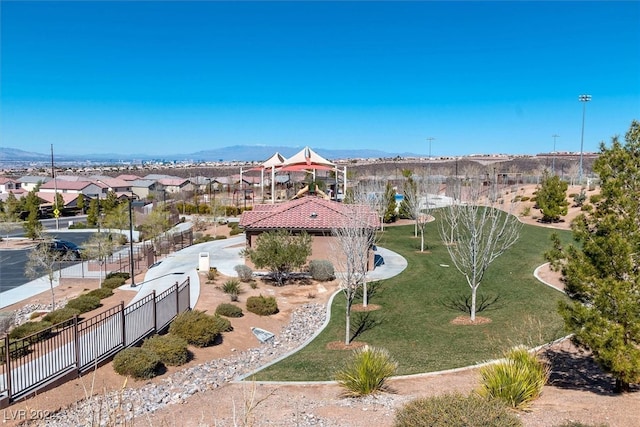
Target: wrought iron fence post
{"x": 155, "y": 312}
{"x": 189, "y": 292}
{"x": 124, "y": 326}
{"x": 76, "y": 341}
{"x": 177, "y": 299}
{"x": 7, "y": 361}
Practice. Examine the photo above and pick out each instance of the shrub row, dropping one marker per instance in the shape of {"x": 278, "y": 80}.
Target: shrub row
{"x": 84, "y": 303}
{"x": 61, "y": 315}
{"x": 36, "y": 331}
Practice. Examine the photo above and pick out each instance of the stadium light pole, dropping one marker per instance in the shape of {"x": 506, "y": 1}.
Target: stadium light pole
{"x": 429, "y": 171}
{"x": 553, "y": 162}
{"x": 584, "y": 99}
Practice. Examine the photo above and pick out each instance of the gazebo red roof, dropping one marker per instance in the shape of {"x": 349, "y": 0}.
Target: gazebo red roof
{"x": 306, "y": 213}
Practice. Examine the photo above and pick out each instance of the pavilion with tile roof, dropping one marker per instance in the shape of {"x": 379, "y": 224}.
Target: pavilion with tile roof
{"x": 312, "y": 214}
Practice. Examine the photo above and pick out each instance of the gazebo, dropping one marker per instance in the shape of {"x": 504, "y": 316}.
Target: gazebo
{"x": 306, "y": 160}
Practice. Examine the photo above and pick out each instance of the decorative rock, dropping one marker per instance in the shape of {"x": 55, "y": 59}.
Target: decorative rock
{"x": 305, "y": 321}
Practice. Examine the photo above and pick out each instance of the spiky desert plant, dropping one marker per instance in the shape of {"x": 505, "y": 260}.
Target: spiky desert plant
{"x": 517, "y": 380}
{"x": 366, "y": 372}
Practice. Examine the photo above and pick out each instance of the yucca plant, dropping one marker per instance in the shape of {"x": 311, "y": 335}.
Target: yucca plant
{"x": 366, "y": 372}
{"x": 517, "y": 380}
{"x": 231, "y": 286}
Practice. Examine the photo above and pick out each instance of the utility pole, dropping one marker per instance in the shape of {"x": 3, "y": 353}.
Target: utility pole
{"x": 429, "y": 166}
{"x": 56, "y": 211}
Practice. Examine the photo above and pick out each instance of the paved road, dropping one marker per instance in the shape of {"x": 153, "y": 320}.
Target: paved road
{"x": 12, "y": 262}
{"x": 48, "y": 224}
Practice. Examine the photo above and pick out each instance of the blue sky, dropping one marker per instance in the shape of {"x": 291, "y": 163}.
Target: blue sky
{"x": 180, "y": 77}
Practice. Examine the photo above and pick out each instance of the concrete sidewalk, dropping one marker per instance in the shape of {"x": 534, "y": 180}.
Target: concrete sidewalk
{"x": 224, "y": 255}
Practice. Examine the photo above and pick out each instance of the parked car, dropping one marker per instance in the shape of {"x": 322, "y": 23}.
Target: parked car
{"x": 63, "y": 248}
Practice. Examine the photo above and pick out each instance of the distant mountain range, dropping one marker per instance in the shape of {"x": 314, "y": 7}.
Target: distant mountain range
{"x": 242, "y": 153}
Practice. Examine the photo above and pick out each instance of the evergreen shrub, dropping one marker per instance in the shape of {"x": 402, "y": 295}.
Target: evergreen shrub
{"x": 196, "y": 327}
{"x": 229, "y": 310}
{"x": 101, "y": 293}
{"x": 84, "y": 303}
{"x": 36, "y": 331}
{"x": 61, "y": 315}
{"x": 137, "y": 362}
{"x": 455, "y": 410}
{"x": 262, "y": 306}
{"x": 171, "y": 349}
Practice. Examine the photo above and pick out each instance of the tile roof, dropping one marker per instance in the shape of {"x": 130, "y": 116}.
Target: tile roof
{"x": 59, "y": 184}
{"x": 306, "y": 213}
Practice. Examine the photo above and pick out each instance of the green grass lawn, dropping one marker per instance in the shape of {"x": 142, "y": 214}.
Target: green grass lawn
{"x": 414, "y": 322}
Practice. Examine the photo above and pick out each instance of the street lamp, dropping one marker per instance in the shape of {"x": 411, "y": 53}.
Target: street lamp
{"x": 584, "y": 99}
{"x": 131, "y": 267}
{"x": 553, "y": 162}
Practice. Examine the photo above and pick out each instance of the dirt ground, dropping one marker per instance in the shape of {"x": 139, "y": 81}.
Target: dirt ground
{"x": 578, "y": 390}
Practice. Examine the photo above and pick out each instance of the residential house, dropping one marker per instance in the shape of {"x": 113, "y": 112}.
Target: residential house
{"x": 147, "y": 188}
{"x": 8, "y": 185}
{"x": 30, "y": 182}
{"x": 175, "y": 185}
{"x": 87, "y": 188}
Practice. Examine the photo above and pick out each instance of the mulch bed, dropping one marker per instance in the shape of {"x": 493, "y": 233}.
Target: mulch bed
{"x": 466, "y": 320}
{"x": 369, "y": 307}
{"x": 340, "y": 345}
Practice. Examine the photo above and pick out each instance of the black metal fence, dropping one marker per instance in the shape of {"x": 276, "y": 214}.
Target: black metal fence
{"x": 144, "y": 256}
{"x": 73, "y": 347}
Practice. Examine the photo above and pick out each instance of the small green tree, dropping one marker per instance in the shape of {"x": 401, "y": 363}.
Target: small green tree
{"x": 59, "y": 201}
{"x": 281, "y": 252}
{"x": 601, "y": 272}
{"x": 92, "y": 213}
{"x": 410, "y": 193}
{"x": 390, "y": 213}
{"x": 110, "y": 202}
{"x": 32, "y": 226}
{"x": 117, "y": 217}
{"x": 552, "y": 198}
{"x": 12, "y": 207}
{"x": 80, "y": 202}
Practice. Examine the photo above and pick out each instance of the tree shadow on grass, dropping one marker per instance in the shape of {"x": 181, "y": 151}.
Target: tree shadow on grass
{"x": 463, "y": 303}
{"x": 364, "y": 321}
{"x": 374, "y": 288}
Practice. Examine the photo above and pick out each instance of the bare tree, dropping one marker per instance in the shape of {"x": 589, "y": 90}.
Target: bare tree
{"x": 43, "y": 261}
{"x": 100, "y": 246}
{"x": 373, "y": 194}
{"x": 475, "y": 234}
{"x": 353, "y": 240}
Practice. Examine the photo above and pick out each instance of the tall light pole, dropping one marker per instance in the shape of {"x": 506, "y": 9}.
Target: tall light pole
{"x": 429, "y": 171}
{"x": 131, "y": 266}
{"x": 584, "y": 99}
{"x": 553, "y": 162}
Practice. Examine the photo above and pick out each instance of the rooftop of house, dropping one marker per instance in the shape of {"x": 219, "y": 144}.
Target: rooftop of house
{"x": 306, "y": 213}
